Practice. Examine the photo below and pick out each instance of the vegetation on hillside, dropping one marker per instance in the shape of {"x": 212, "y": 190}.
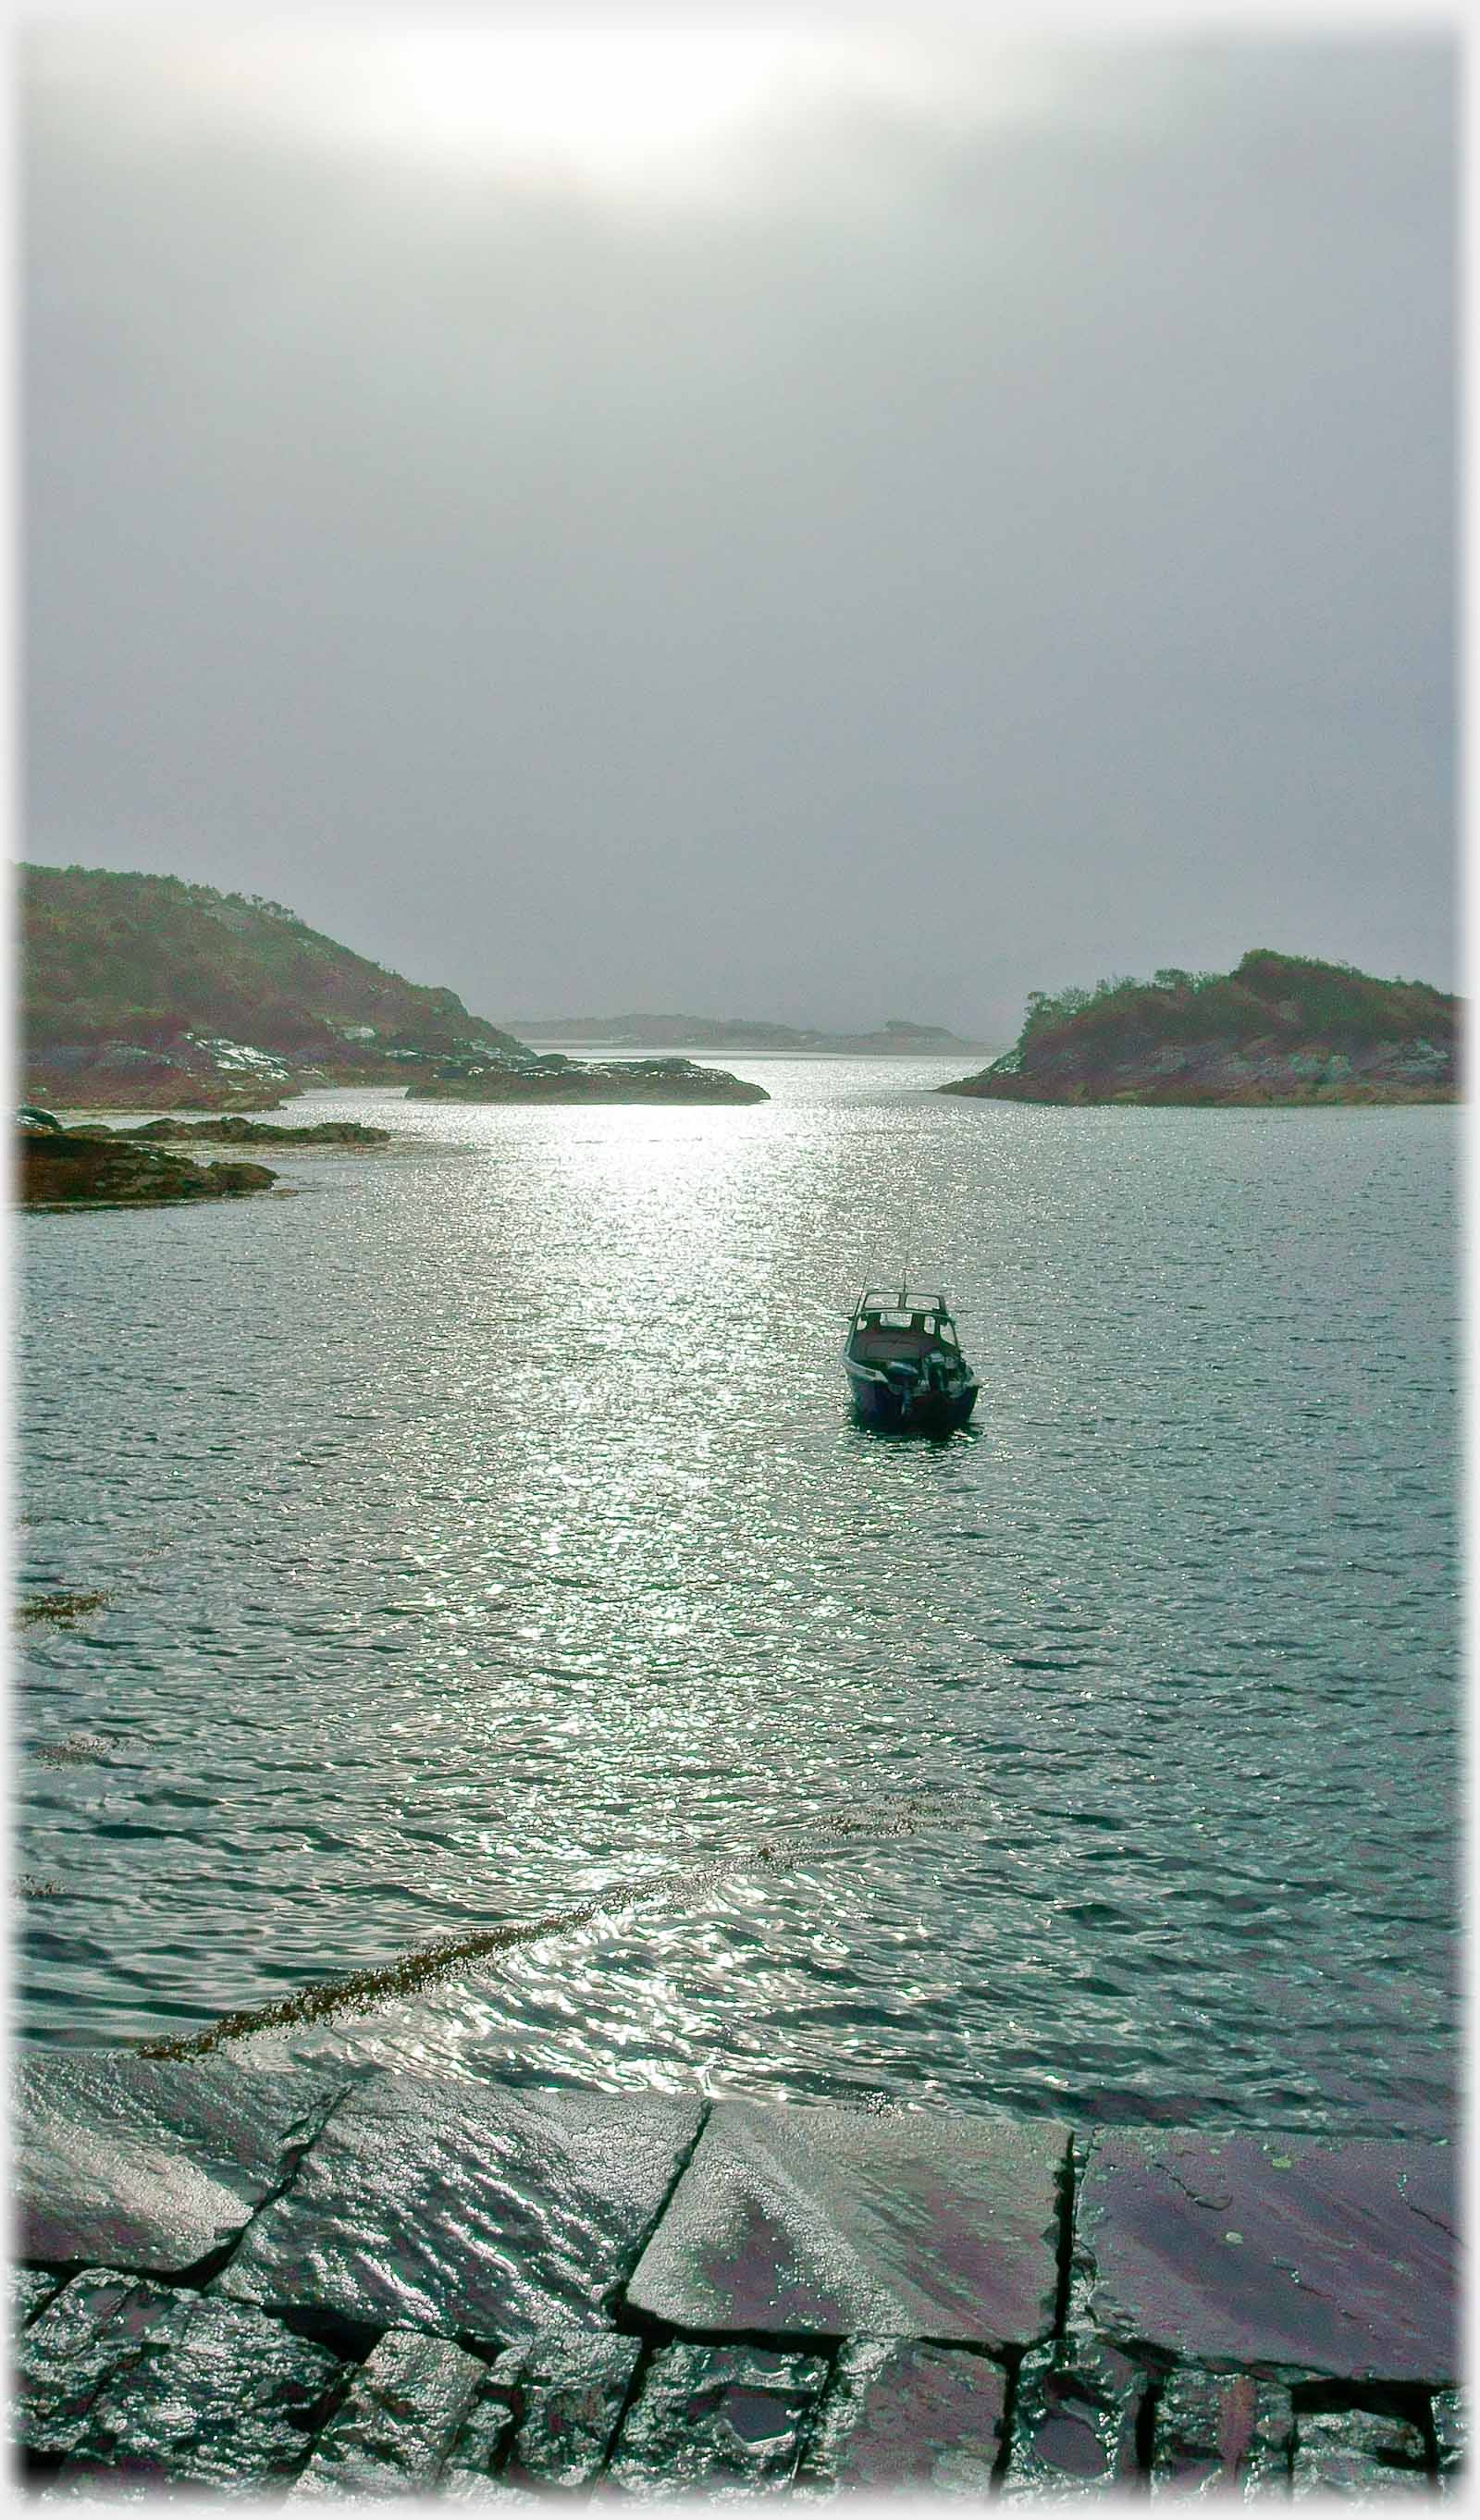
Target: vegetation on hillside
{"x": 1269, "y": 997}
{"x": 142, "y": 958}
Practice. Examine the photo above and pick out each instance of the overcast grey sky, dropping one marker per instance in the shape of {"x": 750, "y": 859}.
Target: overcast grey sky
{"x": 832, "y": 526}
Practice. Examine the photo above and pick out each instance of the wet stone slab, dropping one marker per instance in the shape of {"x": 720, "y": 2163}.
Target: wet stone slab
{"x": 468, "y": 2211}
{"x": 1450, "y": 2411}
{"x": 224, "y": 2396}
{"x": 31, "y": 2288}
{"x": 131, "y": 2162}
{"x": 1351, "y": 2452}
{"x": 117, "y": 2376}
{"x": 717, "y": 2420}
{"x": 94, "y": 2332}
{"x": 830, "y": 2222}
{"x": 480, "y": 2445}
{"x": 1221, "y": 2429}
{"x": 401, "y": 2413}
{"x": 570, "y": 2392}
{"x": 1338, "y": 2259}
{"x": 899, "y": 2414}
{"x": 1077, "y": 2406}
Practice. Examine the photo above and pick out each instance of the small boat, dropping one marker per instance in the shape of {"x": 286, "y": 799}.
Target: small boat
{"x": 903, "y": 1363}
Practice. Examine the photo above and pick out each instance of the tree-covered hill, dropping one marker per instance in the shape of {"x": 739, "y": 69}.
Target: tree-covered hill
{"x": 146, "y": 964}
{"x": 1278, "y": 1028}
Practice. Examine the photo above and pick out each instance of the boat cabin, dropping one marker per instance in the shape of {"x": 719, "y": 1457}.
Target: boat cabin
{"x": 891, "y": 1324}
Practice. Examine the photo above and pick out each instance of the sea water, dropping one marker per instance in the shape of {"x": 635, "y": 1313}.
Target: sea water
{"x": 489, "y": 1552}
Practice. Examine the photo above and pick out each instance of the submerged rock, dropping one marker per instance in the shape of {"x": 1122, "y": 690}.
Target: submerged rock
{"x": 233, "y": 1131}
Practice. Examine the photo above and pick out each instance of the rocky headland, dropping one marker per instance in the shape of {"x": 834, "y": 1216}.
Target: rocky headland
{"x": 59, "y": 1167}
{"x": 555, "y": 1079}
{"x": 141, "y": 993}
{"x": 1281, "y": 1029}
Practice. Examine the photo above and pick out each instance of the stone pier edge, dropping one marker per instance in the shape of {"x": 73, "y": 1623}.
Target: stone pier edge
{"x": 1180, "y": 2417}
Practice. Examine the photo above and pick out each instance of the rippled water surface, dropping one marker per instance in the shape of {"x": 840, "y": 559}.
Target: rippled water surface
{"x": 486, "y": 1538}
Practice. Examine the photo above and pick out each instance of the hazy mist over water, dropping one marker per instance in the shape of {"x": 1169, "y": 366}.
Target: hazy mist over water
{"x": 486, "y": 1535}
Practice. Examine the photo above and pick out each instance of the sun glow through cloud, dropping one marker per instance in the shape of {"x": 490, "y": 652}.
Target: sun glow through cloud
{"x": 629, "y": 108}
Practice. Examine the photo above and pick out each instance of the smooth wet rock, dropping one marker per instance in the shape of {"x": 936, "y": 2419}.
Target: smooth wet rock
{"x": 571, "y": 2391}
{"x": 468, "y": 2211}
{"x": 1339, "y": 2259}
{"x": 1074, "y": 2419}
{"x": 400, "y": 2415}
{"x": 1450, "y": 2408}
{"x": 127, "y": 2161}
{"x": 218, "y": 2396}
{"x": 832, "y": 2223}
{"x": 93, "y": 2330}
{"x": 900, "y": 2414}
{"x": 717, "y": 2420}
{"x": 1352, "y": 2452}
{"x": 1221, "y": 2429}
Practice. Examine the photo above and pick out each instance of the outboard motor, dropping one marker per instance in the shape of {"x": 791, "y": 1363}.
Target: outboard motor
{"x": 902, "y": 1378}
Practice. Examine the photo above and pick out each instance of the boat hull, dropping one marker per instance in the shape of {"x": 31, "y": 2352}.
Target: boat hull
{"x": 883, "y": 1407}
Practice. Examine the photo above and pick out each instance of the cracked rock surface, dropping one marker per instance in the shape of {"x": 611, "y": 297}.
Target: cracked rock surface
{"x": 1336, "y": 2258}
{"x": 467, "y": 2210}
{"x": 132, "y": 2163}
{"x": 898, "y": 2414}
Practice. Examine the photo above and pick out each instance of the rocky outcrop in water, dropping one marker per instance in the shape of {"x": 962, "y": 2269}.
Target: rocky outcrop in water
{"x": 230, "y": 1131}
{"x": 555, "y": 1079}
{"x": 1279, "y": 1029}
{"x": 92, "y": 1167}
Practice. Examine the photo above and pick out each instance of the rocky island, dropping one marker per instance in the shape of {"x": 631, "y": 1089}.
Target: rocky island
{"x": 556, "y": 1079}
{"x": 71, "y": 1167}
{"x": 1279, "y": 1029}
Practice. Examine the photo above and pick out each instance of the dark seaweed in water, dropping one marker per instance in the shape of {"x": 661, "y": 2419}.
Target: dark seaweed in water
{"x": 411, "y": 1970}
{"x": 59, "y": 1607}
